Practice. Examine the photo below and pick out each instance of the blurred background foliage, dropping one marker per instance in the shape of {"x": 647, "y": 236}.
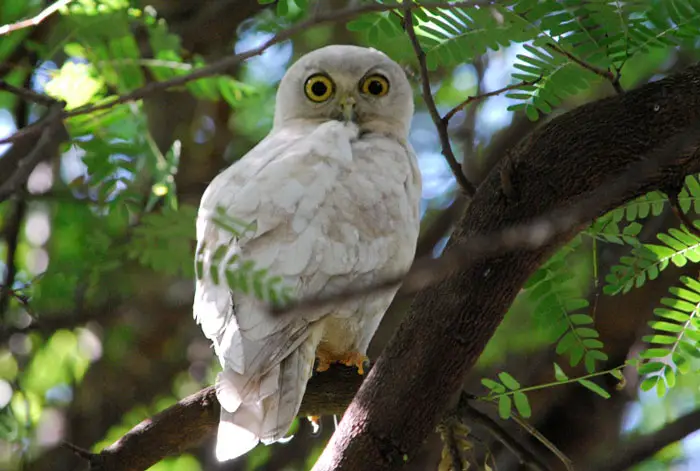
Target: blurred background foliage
{"x": 96, "y": 331}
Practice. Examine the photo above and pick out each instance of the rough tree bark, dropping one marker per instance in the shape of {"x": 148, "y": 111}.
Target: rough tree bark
{"x": 450, "y": 323}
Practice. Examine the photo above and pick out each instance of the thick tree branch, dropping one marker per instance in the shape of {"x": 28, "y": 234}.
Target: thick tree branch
{"x": 450, "y": 323}
{"x": 196, "y": 417}
{"x": 637, "y": 450}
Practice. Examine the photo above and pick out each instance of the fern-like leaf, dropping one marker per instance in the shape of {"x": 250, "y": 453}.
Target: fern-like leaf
{"x": 667, "y": 23}
{"x": 674, "y": 343}
{"x": 555, "y": 77}
{"x": 560, "y": 306}
{"x": 163, "y": 240}
{"x": 647, "y": 261}
{"x": 452, "y": 36}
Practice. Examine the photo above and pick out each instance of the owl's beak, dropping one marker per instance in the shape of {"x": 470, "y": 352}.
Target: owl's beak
{"x": 347, "y": 107}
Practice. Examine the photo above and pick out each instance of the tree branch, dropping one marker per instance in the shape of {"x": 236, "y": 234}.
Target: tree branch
{"x": 474, "y": 98}
{"x": 196, "y": 417}
{"x": 35, "y": 20}
{"x": 53, "y": 133}
{"x": 440, "y": 123}
{"x": 11, "y": 230}
{"x": 571, "y": 157}
{"x": 614, "y": 79}
{"x": 633, "y": 452}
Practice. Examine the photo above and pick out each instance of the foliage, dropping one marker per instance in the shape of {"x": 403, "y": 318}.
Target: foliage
{"x": 558, "y": 37}
{"x": 507, "y": 392}
{"x": 557, "y": 302}
{"x": 105, "y": 254}
{"x": 674, "y": 343}
{"x": 648, "y": 260}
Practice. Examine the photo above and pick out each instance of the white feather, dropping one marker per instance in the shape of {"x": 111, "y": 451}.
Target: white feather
{"x": 329, "y": 208}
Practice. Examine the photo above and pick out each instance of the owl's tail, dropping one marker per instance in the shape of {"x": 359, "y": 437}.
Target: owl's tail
{"x": 260, "y": 408}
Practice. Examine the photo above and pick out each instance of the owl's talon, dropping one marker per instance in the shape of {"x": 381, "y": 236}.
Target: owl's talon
{"x": 357, "y": 360}
{"x": 326, "y": 359}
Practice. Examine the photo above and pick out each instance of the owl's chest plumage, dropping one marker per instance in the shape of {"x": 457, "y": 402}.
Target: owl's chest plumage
{"x": 372, "y": 229}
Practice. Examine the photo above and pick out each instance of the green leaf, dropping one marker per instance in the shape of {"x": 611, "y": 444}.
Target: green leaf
{"x": 494, "y": 386}
{"x": 649, "y": 383}
{"x": 654, "y": 353}
{"x": 508, "y": 381}
{"x": 595, "y": 388}
{"x": 650, "y": 367}
{"x": 670, "y": 377}
{"x": 660, "y": 339}
{"x": 591, "y": 357}
{"x": 522, "y": 405}
{"x": 559, "y": 373}
{"x": 504, "y": 407}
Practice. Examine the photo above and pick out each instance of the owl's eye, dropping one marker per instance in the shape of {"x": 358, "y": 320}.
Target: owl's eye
{"x": 318, "y": 88}
{"x": 376, "y": 85}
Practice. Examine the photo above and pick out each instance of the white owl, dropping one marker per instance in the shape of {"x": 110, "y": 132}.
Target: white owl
{"x": 331, "y": 197}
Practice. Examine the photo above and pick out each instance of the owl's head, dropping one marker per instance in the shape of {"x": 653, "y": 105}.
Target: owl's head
{"x": 347, "y": 83}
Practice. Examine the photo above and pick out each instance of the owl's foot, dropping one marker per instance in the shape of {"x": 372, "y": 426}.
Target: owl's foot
{"x": 325, "y": 359}
{"x": 355, "y": 359}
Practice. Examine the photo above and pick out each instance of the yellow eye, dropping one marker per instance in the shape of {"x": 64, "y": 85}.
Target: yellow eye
{"x": 318, "y": 88}
{"x": 376, "y": 85}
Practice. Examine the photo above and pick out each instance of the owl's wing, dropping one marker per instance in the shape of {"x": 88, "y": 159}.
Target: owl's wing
{"x": 277, "y": 189}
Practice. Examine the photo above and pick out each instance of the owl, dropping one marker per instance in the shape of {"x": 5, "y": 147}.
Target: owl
{"x": 330, "y": 201}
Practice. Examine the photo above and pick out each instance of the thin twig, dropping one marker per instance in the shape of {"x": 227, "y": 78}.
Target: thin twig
{"x": 447, "y": 152}
{"x": 27, "y": 94}
{"x": 222, "y": 66}
{"x": 11, "y": 232}
{"x": 450, "y": 114}
{"x": 35, "y": 20}
{"x": 30, "y": 161}
{"x": 606, "y": 74}
{"x": 78, "y": 451}
{"x": 568, "y": 464}
{"x": 524, "y": 456}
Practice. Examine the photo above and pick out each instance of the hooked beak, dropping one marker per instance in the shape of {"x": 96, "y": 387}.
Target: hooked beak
{"x": 347, "y": 108}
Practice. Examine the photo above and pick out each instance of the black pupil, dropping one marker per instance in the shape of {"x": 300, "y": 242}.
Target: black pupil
{"x": 319, "y": 88}
{"x": 375, "y": 87}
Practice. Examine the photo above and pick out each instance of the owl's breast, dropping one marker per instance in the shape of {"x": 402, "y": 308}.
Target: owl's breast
{"x": 375, "y": 205}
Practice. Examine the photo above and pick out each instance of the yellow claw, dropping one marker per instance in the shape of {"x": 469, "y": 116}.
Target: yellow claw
{"x": 326, "y": 359}
{"x": 355, "y": 359}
